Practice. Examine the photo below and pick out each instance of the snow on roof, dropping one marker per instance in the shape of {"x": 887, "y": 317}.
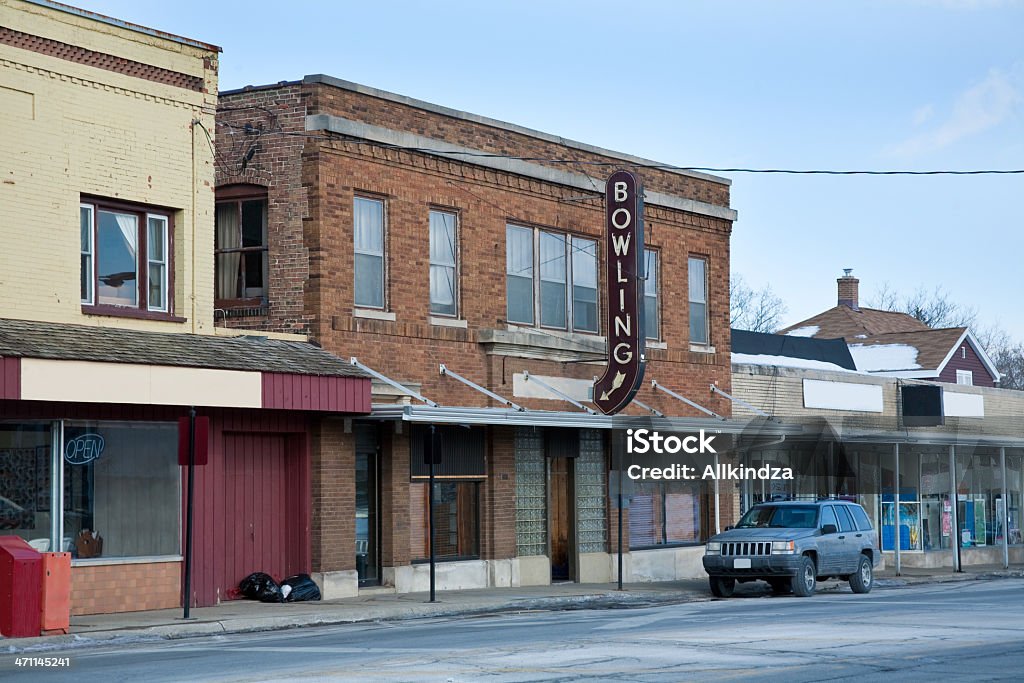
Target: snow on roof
{"x": 786, "y": 362}
{"x": 806, "y": 331}
{"x": 883, "y": 357}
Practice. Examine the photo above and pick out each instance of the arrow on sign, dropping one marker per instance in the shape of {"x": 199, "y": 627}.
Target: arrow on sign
{"x": 620, "y": 377}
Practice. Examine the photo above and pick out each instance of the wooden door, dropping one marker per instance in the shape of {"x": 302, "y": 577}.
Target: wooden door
{"x": 259, "y": 501}
{"x": 561, "y": 516}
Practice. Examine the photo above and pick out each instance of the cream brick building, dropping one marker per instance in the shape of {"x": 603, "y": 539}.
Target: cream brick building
{"x": 97, "y": 108}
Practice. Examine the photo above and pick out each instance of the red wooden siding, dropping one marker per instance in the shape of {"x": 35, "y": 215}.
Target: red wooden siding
{"x": 308, "y": 392}
{"x": 982, "y": 378}
{"x": 10, "y": 378}
{"x": 252, "y": 502}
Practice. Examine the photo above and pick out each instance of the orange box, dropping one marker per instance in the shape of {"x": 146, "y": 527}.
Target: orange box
{"x": 56, "y": 594}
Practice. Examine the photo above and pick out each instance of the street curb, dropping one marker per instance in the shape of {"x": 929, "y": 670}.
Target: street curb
{"x": 332, "y": 615}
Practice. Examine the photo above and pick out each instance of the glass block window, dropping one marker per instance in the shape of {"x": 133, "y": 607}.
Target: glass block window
{"x": 531, "y": 493}
{"x": 591, "y": 470}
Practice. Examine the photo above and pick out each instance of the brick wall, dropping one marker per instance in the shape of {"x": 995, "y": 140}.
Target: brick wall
{"x": 333, "y": 497}
{"x": 109, "y": 588}
{"x": 312, "y": 180}
{"x": 498, "y": 499}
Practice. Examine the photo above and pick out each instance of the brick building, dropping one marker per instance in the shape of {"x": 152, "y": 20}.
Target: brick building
{"x": 413, "y": 236}
{"x": 106, "y": 326}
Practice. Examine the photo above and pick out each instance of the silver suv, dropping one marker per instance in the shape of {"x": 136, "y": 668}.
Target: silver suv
{"x": 792, "y": 545}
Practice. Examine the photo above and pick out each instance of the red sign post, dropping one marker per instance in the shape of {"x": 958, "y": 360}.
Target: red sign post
{"x": 624, "y": 275}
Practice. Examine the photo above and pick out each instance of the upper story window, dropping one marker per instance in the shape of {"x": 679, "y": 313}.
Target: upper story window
{"x": 651, "y": 327}
{"x": 564, "y": 296}
{"x": 697, "y": 268}
{"x": 240, "y": 246}
{"x": 125, "y": 257}
{"x": 965, "y": 377}
{"x": 444, "y": 296}
{"x": 368, "y": 266}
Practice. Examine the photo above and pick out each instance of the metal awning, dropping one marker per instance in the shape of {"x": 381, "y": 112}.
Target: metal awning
{"x": 551, "y": 418}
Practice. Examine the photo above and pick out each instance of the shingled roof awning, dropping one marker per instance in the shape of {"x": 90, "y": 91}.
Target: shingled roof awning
{"x": 80, "y": 363}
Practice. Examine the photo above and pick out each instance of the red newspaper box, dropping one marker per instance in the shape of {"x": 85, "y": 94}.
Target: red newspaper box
{"x": 56, "y": 596}
{"x": 21, "y": 582}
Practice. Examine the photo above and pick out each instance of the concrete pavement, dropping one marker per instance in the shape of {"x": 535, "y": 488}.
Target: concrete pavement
{"x": 381, "y": 604}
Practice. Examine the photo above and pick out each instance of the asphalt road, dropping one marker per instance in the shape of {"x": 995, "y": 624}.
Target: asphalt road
{"x": 970, "y": 630}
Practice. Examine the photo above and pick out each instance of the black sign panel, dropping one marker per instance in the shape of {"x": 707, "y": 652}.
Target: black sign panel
{"x": 624, "y": 263}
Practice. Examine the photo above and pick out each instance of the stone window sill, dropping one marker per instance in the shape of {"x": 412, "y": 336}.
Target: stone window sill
{"x": 373, "y": 314}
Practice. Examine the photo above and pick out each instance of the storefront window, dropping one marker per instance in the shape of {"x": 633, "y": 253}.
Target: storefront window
{"x": 664, "y": 513}
{"x": 25, "y": 456}
{"x": 457, "y": 516}
{"x": 936, "y": 510}
{"x": 977, "y": 489}
{"x": 1014, "y": 488}
{"x": 868, "y": 487}
{"x": 905, "y": 523}
{"x": 121, "y": 489}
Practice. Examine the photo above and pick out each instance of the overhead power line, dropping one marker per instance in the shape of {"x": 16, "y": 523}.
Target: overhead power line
{"x": 615, "y": 163}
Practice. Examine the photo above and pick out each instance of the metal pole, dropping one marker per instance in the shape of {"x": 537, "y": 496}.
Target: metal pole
{"x": 1006, "y": 510}
{"x": 430, "y": 513}
{"x": 896, "y": 508}
{"x": 718, "y": 513}
{"x": 190, "y": 503}
{"x": 954, "y": 512}
{"x": 620, "y": 517}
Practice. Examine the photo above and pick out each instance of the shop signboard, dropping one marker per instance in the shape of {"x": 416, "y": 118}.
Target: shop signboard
{"x": 624, "y": 261}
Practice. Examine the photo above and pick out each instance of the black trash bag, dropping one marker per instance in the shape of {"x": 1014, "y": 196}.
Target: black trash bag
{"x": 257, "y": 585}
{"x": 271, "y": 593}
{"x": 302, "y": 588}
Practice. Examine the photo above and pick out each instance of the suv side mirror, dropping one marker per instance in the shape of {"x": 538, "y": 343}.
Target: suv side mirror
{"x": 829, "y": 529}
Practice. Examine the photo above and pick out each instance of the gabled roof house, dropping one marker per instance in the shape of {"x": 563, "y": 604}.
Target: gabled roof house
{"x": 899, "y": 345}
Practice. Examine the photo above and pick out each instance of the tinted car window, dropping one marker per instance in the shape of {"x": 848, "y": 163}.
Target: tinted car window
{"x": 845, "y": 521}
{"x": 780, "y": 517}
{"x": 828, "y": 517}
{"x": 863, "y": 523}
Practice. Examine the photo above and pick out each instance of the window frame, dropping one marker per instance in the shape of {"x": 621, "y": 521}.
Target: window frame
{"x": 239, "y": 194}
{"x": 143, "y": 213}
{"x": 965, "y": 375}
{"x": 455, "y": 266}
{"x": 383, "y": 255}
{"x": 656, "y": 253}
{"x": 569, "y": 241}
{"x": 706, "y": 341}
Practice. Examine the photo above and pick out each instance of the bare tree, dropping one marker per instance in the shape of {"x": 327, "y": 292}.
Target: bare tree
{"x": 755, "y": 310}
{"x": 934, "y": 308}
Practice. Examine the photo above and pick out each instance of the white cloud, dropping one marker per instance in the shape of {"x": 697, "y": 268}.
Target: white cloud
{"x": 979, "y": 108}
{"x": 923, "y": 114}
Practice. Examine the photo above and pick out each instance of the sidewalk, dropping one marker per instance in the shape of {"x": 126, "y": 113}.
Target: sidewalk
{"x": 241, "y": 616}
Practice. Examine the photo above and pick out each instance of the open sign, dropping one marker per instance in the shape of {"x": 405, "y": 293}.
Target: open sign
{"x": 83, "y": 449}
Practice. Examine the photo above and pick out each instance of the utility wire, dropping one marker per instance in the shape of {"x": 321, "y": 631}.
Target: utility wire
{"x": 652, "y": 166}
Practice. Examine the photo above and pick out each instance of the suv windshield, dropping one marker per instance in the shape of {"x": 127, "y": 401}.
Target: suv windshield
{"x": 780, "y": 516}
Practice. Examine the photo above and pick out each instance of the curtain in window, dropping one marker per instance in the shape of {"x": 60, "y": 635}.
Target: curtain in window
{"x": 442, "y": 263}
{"x": 129, "y": 226}
{"x": 228, "y": 237}
{"x": 368, "y": 229}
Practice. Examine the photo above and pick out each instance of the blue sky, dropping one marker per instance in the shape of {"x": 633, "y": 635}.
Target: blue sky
{"x": 865, "y": 84}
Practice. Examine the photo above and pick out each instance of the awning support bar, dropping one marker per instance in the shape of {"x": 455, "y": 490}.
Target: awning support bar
{"x": 654, "y": 383}
{"x": 387, "y": 380}
{"x": 446, "y": 371}
{"x": 652, "y": 411}
{"x": 716, "y": 390}
{"x": 565, "y": 397}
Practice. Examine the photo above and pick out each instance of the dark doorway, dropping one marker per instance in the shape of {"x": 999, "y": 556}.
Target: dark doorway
{"x": 562, "y": 506}
{"x": 367, "y": 507}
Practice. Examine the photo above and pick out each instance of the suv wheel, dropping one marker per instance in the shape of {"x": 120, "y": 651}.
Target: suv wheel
{"x": 722, "y": 586}
{"x": 804, "y": 581}
{"x": 864, "y": 578}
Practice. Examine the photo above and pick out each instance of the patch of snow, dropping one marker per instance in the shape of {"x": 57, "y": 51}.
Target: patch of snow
{"x": 786, "y": 362}
{"x": 883, "y": 357}
{"x": 808, "y": 331}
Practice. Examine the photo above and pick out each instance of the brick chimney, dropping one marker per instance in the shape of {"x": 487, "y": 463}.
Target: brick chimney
{"x": 849, "y": 287}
